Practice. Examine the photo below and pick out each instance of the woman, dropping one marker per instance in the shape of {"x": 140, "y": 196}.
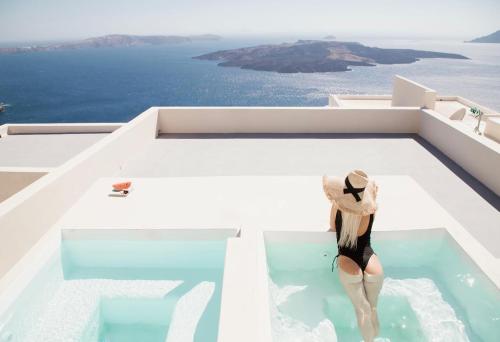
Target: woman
{"x": 360, "y": 272}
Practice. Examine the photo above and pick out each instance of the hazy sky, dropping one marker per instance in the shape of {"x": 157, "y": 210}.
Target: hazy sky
{"x": 26, "y": 20}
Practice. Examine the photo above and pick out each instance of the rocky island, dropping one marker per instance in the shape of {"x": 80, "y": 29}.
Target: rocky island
{"x": 112, "y": 40}
{"x": 317, "y": 56}
{"x": 491, "y": 38}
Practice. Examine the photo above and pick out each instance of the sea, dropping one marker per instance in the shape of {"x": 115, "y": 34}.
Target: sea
{"x": 116, "y": 84}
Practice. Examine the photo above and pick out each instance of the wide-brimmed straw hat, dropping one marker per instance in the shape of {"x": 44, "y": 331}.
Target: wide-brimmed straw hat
{"x": 355, "y": 193}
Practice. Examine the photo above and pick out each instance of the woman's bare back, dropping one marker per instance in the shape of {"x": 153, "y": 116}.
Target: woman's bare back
{"x": 373, "y": 267}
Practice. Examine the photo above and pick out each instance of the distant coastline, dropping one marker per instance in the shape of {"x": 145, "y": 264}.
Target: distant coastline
{"x": 114, "y": 84}
{"x": 112, "y": 40}
{"x": 310, "y": 56}
{"x": 491, "y": 38}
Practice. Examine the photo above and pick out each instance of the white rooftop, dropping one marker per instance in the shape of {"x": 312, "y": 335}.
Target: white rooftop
{"x": 476, "y": 207}
{"x": 43, "y": 150}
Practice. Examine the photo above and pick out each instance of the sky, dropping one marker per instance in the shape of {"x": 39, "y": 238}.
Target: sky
{"x": 42, "y": 20}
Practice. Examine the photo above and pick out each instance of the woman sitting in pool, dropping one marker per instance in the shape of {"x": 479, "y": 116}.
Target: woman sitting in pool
{"x": 360, "y": 272}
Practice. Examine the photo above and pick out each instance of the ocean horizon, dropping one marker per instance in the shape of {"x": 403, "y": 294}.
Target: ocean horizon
{"x": 116, "y": 84}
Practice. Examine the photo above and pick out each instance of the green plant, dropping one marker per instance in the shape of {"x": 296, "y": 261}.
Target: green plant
{"x": 476, "y": 112}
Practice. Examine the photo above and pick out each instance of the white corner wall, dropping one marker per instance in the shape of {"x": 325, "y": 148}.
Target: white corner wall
{"x": 3, "y": 130}
{"x": 287, "y": 120}
{"x": 28, "y": 215}
{"x": 475, "y": 154}
{"x": 334, "y": 101}
{"x": 407, "y": 93}
{"x": 66, "y": 128}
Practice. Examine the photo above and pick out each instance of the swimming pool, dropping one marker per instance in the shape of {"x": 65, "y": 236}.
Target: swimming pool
{"x": 432, "y": 290}
{"x": 110, "y": 288}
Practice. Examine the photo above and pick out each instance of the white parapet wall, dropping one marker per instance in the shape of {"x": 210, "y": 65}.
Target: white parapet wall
{"x": 26, "y": 216}
{"x": 287, "y": 120}
{"x": 362, "y": 101}
{"x": 407, "y": 93}
{"x": 3, "y": 130}
{"x": 66, "y": 128}
{"x": 334, "y": 101}
{"x": 488, "y": 112}
{"x": 477, "y": 155}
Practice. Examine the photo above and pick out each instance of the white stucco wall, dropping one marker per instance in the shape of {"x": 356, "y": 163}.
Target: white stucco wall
{"x": 334, "y": 101}
{"x": 3, "y": 130}
{"x": 407, "y": 93}
{"x": 287, "y": 120}
{"x": 477, "y": 155}
{"x": 62, "y": 128}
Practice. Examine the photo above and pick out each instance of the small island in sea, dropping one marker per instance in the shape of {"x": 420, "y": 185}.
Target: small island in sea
{"x": 310, "y": 56}
{"x": 491, "y": 38}
{"x": 111, "y": 40}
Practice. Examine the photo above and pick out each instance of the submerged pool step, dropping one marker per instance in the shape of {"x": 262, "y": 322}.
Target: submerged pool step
{"x": 75, "y": 309}
{"x": 118, "y": 285}
{"x": 135, "y": 319}
{"x": 173, "y": 318}
{"x": 149, "y": 311}
{"x": 133, "y": 333}
{"x": 188, "y": 312}
{"x": 396, "y": 317}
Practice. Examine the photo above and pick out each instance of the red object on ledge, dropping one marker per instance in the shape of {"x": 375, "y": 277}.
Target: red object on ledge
{"x": 121, "y": 186}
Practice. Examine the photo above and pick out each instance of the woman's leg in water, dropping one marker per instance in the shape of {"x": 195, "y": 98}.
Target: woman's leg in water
{"x": 353, "y": 285}
{"x": 373, "y": 278}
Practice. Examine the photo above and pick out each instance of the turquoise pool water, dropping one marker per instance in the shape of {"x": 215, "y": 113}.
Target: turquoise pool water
{"x": 432, "y": 291}
{"x": 122, "y": 290}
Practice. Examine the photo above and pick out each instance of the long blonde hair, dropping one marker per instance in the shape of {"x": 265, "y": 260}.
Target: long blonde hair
{"x": 349, "y": 231}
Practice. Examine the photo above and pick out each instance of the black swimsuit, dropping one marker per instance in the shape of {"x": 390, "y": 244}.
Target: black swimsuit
{"x": 363, "y": 251}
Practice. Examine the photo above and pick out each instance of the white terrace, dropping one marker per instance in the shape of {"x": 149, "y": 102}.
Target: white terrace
{"x": 255, "y": 169}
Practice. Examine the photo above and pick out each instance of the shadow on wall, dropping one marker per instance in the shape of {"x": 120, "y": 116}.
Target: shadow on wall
{"x": 483, "y": 191}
